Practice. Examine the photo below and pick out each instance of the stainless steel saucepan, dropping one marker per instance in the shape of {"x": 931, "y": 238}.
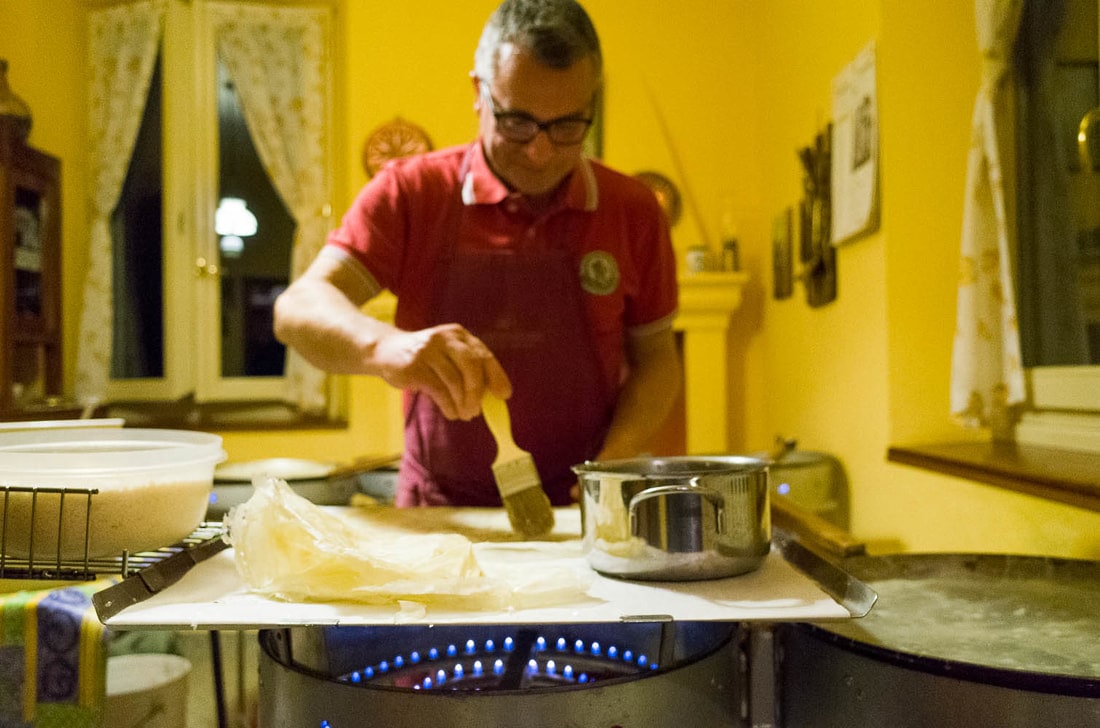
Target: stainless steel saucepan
{"x": 675, "y": 518}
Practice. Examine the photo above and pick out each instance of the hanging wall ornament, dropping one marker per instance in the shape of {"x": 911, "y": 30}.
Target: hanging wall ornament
{"x": 393, "y": 140}
{"x": 816, "y": 251}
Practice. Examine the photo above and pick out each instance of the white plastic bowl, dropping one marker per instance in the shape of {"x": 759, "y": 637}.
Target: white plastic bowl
{"x": 154, "y": 487}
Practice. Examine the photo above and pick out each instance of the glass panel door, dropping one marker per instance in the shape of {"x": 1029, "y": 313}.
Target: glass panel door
{"x": 255, "y": 233}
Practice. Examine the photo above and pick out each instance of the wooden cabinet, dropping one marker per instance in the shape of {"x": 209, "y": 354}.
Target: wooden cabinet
{"x": 30, "y": 276}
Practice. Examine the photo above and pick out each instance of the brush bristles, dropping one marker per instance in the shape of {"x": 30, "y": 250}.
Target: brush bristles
{"x": 530, "y": 513}
{"x": 529, "y": 509}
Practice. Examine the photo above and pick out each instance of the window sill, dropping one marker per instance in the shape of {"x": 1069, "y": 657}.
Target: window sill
{"x": 1060, "y": 475}
{"x": 223, "y": 416}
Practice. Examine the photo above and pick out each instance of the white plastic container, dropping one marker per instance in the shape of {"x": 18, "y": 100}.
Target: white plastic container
{"x": 146, "y": 691}
{"x": 154, "y": 487}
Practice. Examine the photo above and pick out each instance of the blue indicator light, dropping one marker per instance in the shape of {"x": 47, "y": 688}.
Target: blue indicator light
{"x": 509, "y": 644}
{"x": 560, "y": 644}
{"x": 642, "y": 660}
{"x": 356, "y": 677}
{"x": 583, "y": 678}
{"x": 368, "y": 672}
{"x": 383, "y": 666}
{"x": 551, "y": 667}
{"x": 628, "y": 656}
{"x": 451, "y": 650}
{"x": 440, "y": 677}
{"x": 578, "y": 647}
{"x": 532, "y": 666}
{"x": 478, "y": 669}
{"x": 783, "y": 488}
{"x": 567, "y": 672}
{"x": 433, "y": 654}
{"x": 595, "y": 649}
{"x": 414, "y": 657}
{"x": 540, "y": 643}
{"x": 459, "y": 671}
{"x": 427, "y": 683}
{"x": 498, "y": 667}
{"x": 612, "y": 652}
{"x": 471, "y": 647}
{"x": 490, "y": 646}
{"x": 399, "y": 661}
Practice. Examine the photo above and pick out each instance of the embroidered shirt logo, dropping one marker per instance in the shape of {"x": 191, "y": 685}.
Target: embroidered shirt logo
{"x": 599, "y": 273}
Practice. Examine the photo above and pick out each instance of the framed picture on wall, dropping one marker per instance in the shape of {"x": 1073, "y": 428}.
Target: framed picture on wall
{"x": 782, "y": 254}
{"x": 854, "y": 183}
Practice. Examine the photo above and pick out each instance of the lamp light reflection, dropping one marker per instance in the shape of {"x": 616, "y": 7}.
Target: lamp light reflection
{"x": 234, "y": 218}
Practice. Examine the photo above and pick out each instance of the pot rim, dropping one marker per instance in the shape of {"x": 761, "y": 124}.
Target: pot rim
{"x": 677, "y": 465}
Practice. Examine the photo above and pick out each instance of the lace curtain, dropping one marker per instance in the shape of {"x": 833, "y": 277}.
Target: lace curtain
{"x": 122, "y": 50}
{"x": 987, "y": 376}
{"x": 276, "y": 58}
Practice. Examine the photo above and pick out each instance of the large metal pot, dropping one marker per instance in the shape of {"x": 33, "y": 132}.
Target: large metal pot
{"x": 954, "y": 641}
{"x": 813, "y": 481}
{"x": 322, "y": 483}
{"x": 676, "y": 518}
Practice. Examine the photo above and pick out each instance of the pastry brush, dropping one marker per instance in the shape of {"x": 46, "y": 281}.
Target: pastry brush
{"x": 518, "y": 481}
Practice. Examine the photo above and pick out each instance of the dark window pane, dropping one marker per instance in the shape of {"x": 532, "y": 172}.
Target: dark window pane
{"x": 1058, "y": 255}
{"x": 137, "y": 236}
{"x": 254, "y": 268}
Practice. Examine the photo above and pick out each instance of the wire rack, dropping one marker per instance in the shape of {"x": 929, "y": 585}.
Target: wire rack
{"x": 48, "y": 564}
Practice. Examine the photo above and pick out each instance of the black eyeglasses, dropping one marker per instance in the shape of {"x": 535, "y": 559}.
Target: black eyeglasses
{"x": 521, "y": 128}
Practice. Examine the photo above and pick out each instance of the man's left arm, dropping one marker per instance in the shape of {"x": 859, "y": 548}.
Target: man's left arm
{"x": 647, "y": 396}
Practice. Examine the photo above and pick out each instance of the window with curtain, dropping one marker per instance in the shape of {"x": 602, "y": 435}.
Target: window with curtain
{"x": 1057, "y": 94}
{"x": 210, "y": 125}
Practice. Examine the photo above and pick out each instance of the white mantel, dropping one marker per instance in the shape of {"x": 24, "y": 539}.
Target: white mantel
{"x": 707, "y": 303}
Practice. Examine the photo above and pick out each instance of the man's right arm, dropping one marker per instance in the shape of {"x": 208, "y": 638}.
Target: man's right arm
{"x": 319, "y": 315}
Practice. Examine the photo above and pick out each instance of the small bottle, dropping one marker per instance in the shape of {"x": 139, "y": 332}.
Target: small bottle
{"x": 731, "y": 255}
{"x": 731, "y": 252}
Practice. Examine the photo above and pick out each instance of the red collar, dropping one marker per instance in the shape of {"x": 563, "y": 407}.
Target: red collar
{"x": 481, "y": 186}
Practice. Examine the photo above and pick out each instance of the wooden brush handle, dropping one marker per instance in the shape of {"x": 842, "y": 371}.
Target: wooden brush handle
{"x": 495, "y": 412}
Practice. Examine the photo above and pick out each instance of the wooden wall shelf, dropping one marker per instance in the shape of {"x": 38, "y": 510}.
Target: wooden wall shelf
{"x": 1060, "y": 475}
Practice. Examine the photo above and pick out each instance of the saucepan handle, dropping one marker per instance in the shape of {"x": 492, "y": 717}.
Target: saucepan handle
{"x": 690, "y": 489}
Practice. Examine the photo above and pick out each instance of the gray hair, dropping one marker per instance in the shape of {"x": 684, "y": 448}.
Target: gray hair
{"x": 557, "y": 32}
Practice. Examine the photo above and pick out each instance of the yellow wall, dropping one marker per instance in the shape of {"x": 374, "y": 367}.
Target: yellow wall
{"x": 872, "y": 368}
{"x": 741, "y": 85}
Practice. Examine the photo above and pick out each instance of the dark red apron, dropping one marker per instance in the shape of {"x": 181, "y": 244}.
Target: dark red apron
{"x": 528, "y": 308}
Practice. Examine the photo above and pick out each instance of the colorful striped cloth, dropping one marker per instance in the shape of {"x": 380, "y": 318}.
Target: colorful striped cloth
{"x": 52, "y": 658}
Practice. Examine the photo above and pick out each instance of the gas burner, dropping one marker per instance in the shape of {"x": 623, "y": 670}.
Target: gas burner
{"x": 455, "y": 676}
{"x": 527, "y": 660}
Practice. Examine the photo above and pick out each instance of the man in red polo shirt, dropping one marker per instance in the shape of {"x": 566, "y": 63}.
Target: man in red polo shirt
{"x": 520, "y": 267}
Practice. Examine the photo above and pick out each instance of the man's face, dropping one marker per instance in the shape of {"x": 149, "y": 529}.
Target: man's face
{"x": 524, "y": 86}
